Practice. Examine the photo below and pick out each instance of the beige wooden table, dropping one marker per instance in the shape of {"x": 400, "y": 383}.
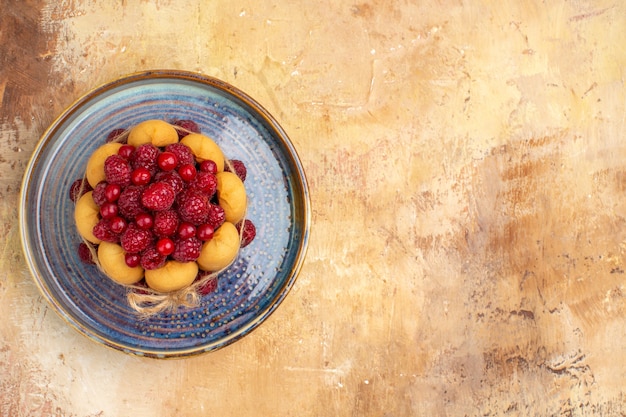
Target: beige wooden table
{"x": 466, "y": 161}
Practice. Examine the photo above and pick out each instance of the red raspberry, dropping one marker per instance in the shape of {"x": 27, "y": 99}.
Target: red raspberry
{"x": 84, "y": 253}
{"x": 117, "y": 170}
{"x": 216, "y": 216}
{"x": 205, "y": 182}
{"x": 209, "y": 286}
{"x": 172, "y": 178}
{"x": 187, "y": 126}
{"x": 152, "y": 259}
{"x": 99, "y": 193}
{"x": 145, "y": 156}
{"x": 238, "y": 168}
{"x": 102, "y": 230}
{"x": 158, "y": 196}
{"x": 114, "y": 135}
{"x": 135, "y": 240}
{"x": 248, "y": 232}
{"x": 129, "y": 202}
{"x": 78, "y": 188}
{"x": 187, "y": 250}
{"x": 182, "y": 152}
{"x": 165, "y": 223}
{"x": 193, "y": 207}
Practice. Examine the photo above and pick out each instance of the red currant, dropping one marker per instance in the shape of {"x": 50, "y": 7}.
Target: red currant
{"x": 126, "y": 151}
{"x": 144, "y": 221}
{"x": 186, "y": 230}
{"x": 108, "y": 210}
{"x": 205, "y": 232}
{"x": 112, "y": 192}
{"x": 187, "y": 172}
{"x": 140, "y": 176}
{"x": 208, "y": 166}
{"x": 167, "y": 161}
{"x": 165, "y": 246}
{"x": 118, "y": 224}
{"x": 132, "y": 259}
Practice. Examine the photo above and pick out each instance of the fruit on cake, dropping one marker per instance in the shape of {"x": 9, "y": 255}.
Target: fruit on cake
{"x": 161, "y": 208}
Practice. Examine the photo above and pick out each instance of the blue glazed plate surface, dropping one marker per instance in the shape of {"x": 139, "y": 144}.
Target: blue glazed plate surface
{"x": 248, "y": 292}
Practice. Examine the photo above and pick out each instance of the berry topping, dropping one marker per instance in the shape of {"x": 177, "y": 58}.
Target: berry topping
{"x": 78, "y": 188}
{"x": 238, "y": 167}
{"x": 193, "y": 207}
{"x": 102, "y": 230}
{"x": 144, "y": 221}
{"x": 172, "y": 178}
{"x": 99, "y": 193}
{"x": 140, "y": 176}
{"x": 126, "y": 151}
{"x": 112, "y": 192}
{"x": 165, "y": 246}
{"x": 182, "y": 152}
{"x": 108, "y": 210}
{"x": 209, "y": 286}
{"x": 187, "y": 250}
{"x": 186, "y": 230}
{"x": 167, "y": 161}
{"x": 132, "y": 259}
{"x": 208, "y": 166}
{"x": 118, "y": 225}
{"x": 145, "y": 156}
{"x": 158, "y": 196}
{"x": 248, "y": 232}
{"x": 216, "y": 216}
{"x": 205, "y": 232}
{"x": 135, "y": 240}
{"x": 117, "y": 170}
{"x": 186, "y": 127}
{"x": 165, "y": 223}
{"x": 152, "y": 259}
{"x": 205, "y": 182}
{"x": 84, "y": 253}
{"x": 129, "y": 202}
{"x": 187, "y": 172}
{"x": 115, "y": 134}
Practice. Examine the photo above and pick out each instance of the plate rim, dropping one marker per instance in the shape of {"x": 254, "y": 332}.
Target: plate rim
{"x": 233, "y": 92}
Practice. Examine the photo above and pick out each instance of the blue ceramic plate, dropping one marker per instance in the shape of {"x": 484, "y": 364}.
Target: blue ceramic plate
{"x": 248, "y": 292}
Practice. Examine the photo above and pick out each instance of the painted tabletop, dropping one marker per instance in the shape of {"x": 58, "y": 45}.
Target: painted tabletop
{"x": 465, "y": 163}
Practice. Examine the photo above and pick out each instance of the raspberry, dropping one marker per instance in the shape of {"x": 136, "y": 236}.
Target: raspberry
{"x": 172, "y": 178}
{"x": 78, "y": 188}
{"x": 193, "y": 207}
{"x": 238, "y": 168}
{"x": 152, "y": 259}
{"x": 145, "y": 156}
{"x": 209, "y": 286}
{"x": 117, "y": 170}
{"x": 102, "y": 230}
{"x": 248, "y": 232}
{"x": 99, "y": 193}
{"x": 165, "y": 223}
{"x": 216, "y": 216}
{"x": 129, "y": 202}
{"x": 158, "y": 196}
{"x": 182, "y": 152}
{"x": 135, "y": 240}
{"x": 187, "y": 250}
{"x": 205, "y": 182}
{"x": 187, "y": 126}
{"x": 114, "y": 135}
{"x": 84, "y": 253}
